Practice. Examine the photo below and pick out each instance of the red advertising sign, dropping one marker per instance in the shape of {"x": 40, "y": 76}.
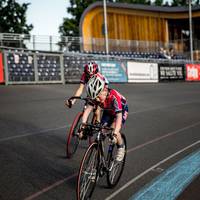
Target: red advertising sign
{"x": 1, "y": 69}
{"x": 193, "y": 72}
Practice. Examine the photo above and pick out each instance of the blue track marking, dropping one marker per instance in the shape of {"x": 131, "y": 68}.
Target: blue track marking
{"x": 172, "y": 182}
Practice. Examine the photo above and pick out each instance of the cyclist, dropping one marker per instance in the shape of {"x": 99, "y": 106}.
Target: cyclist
{"x": 90, "y": 69}
{"x": 115, "y": 109}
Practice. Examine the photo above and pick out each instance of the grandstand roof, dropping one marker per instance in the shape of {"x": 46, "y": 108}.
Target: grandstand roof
{"x": 141, "y": 7}
{"x": 137, "y": 22}
{"x": 167, "y": 9}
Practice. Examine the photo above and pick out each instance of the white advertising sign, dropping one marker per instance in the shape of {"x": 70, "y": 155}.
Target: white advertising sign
{"x": 142, "y": 72}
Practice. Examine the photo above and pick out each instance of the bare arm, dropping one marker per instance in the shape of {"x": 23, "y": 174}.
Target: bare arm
{"x": 98, "y": 114}
{"x": 118, "y": 123}
{"x": 117, "y": 128}
{"x": 86, "y": 113}
{"x": 79, "y": 92}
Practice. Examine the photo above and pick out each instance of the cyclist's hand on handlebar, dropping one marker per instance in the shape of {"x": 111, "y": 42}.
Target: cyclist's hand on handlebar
{"x": 68, "y": 103}
{"x": 80, "y": 131}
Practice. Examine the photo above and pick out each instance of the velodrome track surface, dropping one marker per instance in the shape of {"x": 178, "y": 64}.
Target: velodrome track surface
{"x": 163, "y": 125}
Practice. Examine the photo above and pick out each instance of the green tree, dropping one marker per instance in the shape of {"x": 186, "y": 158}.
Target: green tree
{"x": 70, "y": 26}
{"x": 158, "y": 2}
{"x": 179, "y": 2}
{"x": 184, "y": 2}
{"x": 134, "y": 1}
{"x": 13, "y": 17}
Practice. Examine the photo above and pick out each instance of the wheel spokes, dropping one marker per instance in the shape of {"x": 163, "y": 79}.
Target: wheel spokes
{"x": 115, "y": 168}
{"x": 88, "y": 175}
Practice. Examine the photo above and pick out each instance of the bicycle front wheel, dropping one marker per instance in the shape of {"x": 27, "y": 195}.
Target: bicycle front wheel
{"x": 73, "y": 139}
{"x": 115, "y": 167}
{"x": 88, "y": 173}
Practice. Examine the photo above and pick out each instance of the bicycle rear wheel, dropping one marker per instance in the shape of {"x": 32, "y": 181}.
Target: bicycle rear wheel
{"x": 115, "y": 167}
{"x": 88, "y": 173}
{"x": 73, "y": 139}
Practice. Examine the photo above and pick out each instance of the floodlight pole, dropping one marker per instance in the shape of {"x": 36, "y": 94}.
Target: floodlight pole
{"x": 105, "y": 26}
{"x": 190, "y": 24}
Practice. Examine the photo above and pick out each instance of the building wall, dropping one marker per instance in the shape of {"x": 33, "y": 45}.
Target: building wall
{"x": 127, "y": 24}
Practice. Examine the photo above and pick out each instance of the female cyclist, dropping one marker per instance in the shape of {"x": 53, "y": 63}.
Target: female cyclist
{"x": 114, "y": 105}
{"x": 90, "y": 69}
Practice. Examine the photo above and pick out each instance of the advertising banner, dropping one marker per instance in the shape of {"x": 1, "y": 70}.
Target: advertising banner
{"x": 142, "y": 72}
{"x": 171, "y": 72}
{"x": 193, "y": 72}
{"x": 113, "y": 71}
{"x": 1, "y": 69}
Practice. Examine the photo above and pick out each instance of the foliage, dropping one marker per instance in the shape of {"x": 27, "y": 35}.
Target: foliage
{"x": 184, "y": 2}
{"x": 158, "y": 2}
{"x": 70, "y": 26}
{"x": 13, "y": 17}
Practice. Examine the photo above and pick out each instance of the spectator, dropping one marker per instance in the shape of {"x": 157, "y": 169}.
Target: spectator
{"x": 171, "y": 53}
{"x": 163, "y": 54}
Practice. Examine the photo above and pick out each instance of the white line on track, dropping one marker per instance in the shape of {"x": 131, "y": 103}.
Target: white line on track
{"x": 130, "y": 150}
{"x": 50, "y": 187}
{"x": 148, "y": 170}
{"x": 33, "y": 133}
{"x": 164, "y": 136}
{"x": 67, "y": 126}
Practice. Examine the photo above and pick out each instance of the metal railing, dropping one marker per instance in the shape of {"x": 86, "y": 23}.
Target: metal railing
{"x": 79, "y": 44}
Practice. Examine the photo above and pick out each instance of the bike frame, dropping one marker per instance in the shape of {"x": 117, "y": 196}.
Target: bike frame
{"x": 101, "y": 150}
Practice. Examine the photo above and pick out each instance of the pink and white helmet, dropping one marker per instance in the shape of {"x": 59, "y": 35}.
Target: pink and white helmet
{"x": 91, "y": 68}
{"x": 95, "y": 85}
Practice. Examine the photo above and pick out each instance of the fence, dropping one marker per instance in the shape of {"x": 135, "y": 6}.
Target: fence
{"x": 27, "y": 67}
{"x": 91, "y": 45}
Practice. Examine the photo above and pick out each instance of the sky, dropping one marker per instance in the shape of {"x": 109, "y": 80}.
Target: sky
{"x": 46, "y": 15}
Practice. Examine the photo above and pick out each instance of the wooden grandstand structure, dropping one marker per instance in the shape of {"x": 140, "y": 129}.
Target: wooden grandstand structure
{"x": 134, "y": 22}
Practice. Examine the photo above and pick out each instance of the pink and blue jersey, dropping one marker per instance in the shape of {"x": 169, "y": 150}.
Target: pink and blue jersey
{"x": 114, "y": 103}
{"x": 84, "y": 78}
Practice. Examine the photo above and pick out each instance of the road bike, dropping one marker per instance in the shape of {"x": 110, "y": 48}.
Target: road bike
{"x": 73, "y": 139}
{"x": 99, "y": 160}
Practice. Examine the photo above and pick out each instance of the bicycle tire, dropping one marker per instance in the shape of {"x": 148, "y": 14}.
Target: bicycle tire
{"x": 88, "y": 173}
{"x": 116, "y": 168}
{"x": 72, "y": 139}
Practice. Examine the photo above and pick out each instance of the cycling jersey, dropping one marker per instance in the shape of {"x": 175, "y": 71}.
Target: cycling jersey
{"x": 84, "y": 78}
{"x": 114, "y": 103}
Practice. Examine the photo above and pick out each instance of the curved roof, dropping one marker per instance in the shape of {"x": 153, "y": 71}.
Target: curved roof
{"x": 167, "y": 9}
{"x": 158, "y": 9}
